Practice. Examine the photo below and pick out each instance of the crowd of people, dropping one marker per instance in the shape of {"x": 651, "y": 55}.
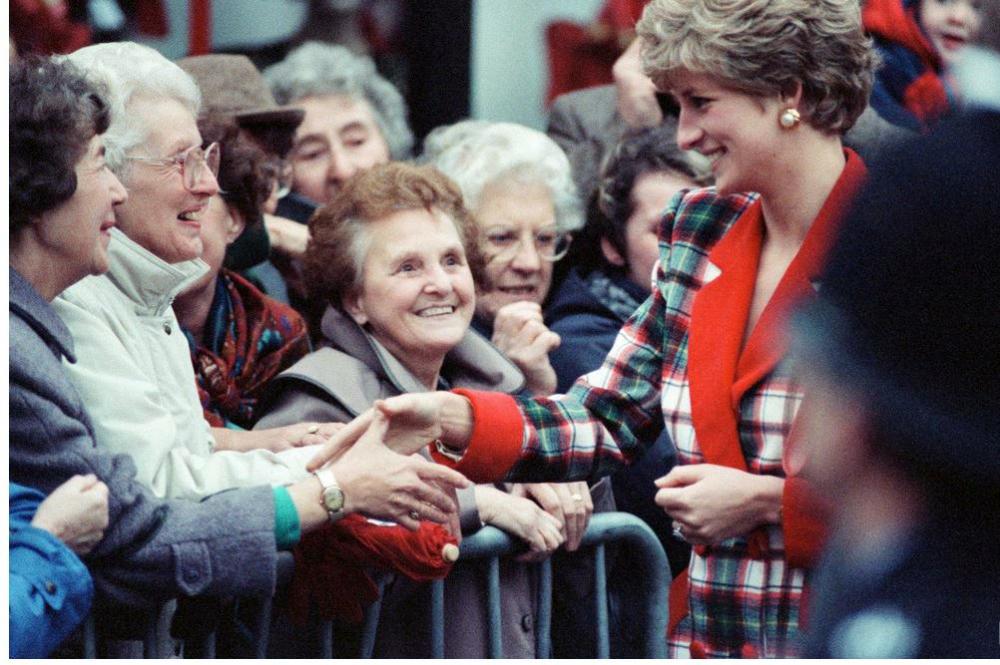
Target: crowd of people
{"x": 749, "y": 293}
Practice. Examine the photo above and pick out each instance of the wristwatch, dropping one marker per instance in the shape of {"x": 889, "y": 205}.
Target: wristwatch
{"x": 332, "y": 498}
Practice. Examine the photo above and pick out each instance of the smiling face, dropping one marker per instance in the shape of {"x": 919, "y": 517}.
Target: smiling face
{"x": 739, "y": 133}
{"x": 417, "y": 295}
{"x": 950, "y": 25}
{"x": 337, "y": 138}
{"x": 650, "y": 195}
{"x": 161, "y": 215}
{"x": 77, "y": 231}
{"x": 527, "y": 211}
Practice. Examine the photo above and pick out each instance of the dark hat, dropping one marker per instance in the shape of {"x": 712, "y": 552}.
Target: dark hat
{"x": 908, "y": 315}
{"x": 232, "y": 86}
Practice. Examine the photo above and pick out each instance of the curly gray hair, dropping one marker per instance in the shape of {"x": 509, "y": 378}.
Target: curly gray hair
{"x": 476, "y": 153}
{"x": 126, "y": 70}
{"x": 316, "y": 69}
{"x": 765, "y": 48}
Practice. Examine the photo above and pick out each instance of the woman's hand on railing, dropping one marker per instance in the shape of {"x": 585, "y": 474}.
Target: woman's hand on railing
{"x": 569, "y": 503}
{"x": 521, "y": 518}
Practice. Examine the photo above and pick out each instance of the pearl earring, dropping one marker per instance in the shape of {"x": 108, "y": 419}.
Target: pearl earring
{"x": 789, "y": 118}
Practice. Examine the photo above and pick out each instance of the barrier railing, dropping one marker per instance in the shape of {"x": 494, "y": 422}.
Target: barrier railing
{"x": 489, "y": 544}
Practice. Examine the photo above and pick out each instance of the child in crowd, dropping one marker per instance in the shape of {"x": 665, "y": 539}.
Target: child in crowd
{"x": 917, "y": 41}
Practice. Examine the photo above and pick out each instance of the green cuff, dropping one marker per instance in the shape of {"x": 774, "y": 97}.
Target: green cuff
{"x": 287, "y": 531}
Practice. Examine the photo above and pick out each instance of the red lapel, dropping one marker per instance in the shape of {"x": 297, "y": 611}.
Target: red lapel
{"x": 719, "y": 373}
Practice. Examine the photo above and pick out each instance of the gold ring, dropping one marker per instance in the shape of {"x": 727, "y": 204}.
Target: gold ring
{"x": 576, "y": 497}
{"x": 414, "y": 515}
{"x": 313, "y": 429}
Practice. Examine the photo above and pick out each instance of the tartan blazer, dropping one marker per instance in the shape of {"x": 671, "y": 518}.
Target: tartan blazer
{"x": 680, "y": 363}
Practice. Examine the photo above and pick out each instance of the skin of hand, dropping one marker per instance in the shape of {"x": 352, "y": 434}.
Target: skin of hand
{"x": 636, "y": 98}
{"x": 414, "y": 421}
{"x": 520, "y": 333}
{"x": 287, "y": 236}
{"x": 569, "y": 503}
{"x": 380, "y": 483}
{"x": 520, "y": 517}
{"x": 275, "y": 439}
{"x": 76, "y": 513}
{"x": 712, "y": 503}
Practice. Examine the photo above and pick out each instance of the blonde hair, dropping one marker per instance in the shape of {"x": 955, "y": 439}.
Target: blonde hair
{"x": 765, "y": 48}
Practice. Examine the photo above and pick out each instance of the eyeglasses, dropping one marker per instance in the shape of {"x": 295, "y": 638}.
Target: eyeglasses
{"x": 502, "y": 242}
{"x": 279, "y": 172}
{"x": 190, "y": 162}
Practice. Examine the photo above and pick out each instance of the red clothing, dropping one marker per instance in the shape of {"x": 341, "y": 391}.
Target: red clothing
{"x": 735, "y": 407}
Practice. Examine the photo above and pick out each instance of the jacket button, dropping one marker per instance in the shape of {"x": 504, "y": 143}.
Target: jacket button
{"x": 166, "y": 327}
{"x": 191, "y": 576}
{"x": 527, "y": 623}
{"x": 50, "y": 586}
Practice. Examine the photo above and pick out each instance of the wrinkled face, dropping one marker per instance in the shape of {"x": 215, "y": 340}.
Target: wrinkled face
{"x": 417, "y": 295}
{"x": 509, "y": 210}
{"x": 337, "y": 138}
{"x": 950, "y": 25}
{"x": 78, "y": 230}
{"x": 740, "y": 134}
{"x": 650, "y": 195}
{"x": 161, "y": 214}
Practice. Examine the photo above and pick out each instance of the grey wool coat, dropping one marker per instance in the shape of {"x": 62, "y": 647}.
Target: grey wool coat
{"x": 152, "y": 549}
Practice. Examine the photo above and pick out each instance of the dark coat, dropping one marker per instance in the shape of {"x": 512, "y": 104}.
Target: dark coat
{"x": 152, "y": 549}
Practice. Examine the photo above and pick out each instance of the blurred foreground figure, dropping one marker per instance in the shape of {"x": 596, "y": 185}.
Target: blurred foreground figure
{"x": 901, "y": 423}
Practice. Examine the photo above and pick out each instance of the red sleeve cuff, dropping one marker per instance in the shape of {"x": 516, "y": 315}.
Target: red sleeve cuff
{"x": 804, "y": 521}
{"x": 496, "y": 441}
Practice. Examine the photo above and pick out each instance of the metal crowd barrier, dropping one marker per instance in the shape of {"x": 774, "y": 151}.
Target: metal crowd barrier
{"x": 488, "y": 544}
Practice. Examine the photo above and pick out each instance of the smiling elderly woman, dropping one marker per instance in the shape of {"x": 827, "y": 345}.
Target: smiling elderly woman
{"x": 395, "y": 254}
{"x": 134, "y": 368}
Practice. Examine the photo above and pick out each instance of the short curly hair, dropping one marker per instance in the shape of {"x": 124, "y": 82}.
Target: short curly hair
{"x": 478, "y": 153}
{"x": 315, "y": 69}
{"x": 640, "y": 151}
{"x": 765, "y": 48}
{"x": 339, "y": 241}
{"x": 244, "y": 182}
{"x": 54, "y": 114}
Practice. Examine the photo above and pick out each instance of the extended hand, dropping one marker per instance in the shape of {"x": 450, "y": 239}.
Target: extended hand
{"x": 406, "y": 489}
{"x": 569, "y": 503}
{"x": 519, "y": 331}
{"x": 636, "y": 93}
{"x": 712, "y": 503}
{"x": 76, "y": 513}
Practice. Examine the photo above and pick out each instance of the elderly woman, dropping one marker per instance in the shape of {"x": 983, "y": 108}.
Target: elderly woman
{"x": 765, "y": 91}
{"x": 133, "y": 366}
{"x": 239, "y": 338}
{"x": 517, "y": 183}
{"x": 394, "y": 254}
{"x": 139, "y": 548}
{"x": 354, "y": 118}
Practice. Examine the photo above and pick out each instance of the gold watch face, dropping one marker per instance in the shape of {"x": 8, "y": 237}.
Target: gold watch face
{"x": 333, "y": 499}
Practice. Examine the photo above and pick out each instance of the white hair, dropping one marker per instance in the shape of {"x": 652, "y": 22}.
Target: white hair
{"x": 476, "y": 153}
{"x": 316, "y": 69}
{"x": 128, "y": 70}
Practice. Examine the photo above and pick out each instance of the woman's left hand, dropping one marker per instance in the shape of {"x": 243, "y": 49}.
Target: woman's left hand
{"x": 275, "y": 439}
{"x": 712, "y": 503}
{"x": 570, "y": 503}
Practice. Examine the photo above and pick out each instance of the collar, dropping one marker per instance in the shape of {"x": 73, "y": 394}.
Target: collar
{"x": 473, "y": 363}
{"x": 27, "y": 304}
{"x": 146, "y": 279}
{"x": 721, "y": 368}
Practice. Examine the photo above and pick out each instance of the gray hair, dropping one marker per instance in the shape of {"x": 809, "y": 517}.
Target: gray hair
{"x": 315, "y": 69}
{"x": 476, "y": 153}
{"x": 127, "y": 70}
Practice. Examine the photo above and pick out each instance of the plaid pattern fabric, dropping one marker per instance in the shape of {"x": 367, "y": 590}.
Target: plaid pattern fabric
{"x": 743, "y": 599}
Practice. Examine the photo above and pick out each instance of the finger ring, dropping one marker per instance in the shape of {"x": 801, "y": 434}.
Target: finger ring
{"x": 414, "y": 515}
{"x": 678, "y": 532}
{"x": 313, "y": 429}
{"x": 576, "y": 497}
